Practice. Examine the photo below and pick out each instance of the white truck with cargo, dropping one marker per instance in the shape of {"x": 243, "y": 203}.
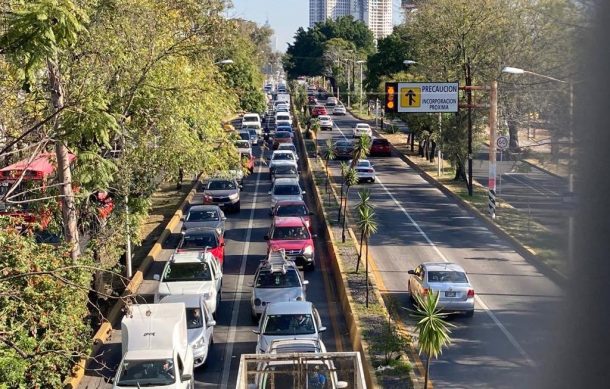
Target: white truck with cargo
{"x": 155, "y": 347}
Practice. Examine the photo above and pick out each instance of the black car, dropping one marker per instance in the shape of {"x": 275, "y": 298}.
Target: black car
{"x": 343, "y": 149}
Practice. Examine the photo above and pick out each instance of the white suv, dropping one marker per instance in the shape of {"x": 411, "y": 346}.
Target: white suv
{"x": 191, "y": 273}
{"x": 288, "y": 320}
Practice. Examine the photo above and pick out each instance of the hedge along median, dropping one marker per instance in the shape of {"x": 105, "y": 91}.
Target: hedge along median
{"x": 103, "y": 333}
{"x": 359, "y": 322}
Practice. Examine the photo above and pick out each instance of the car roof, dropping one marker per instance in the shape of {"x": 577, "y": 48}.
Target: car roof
{"x": 207, "y": 207}
{"x": 441, "y": 266}
{"x": 282, "y": 152}
{"x": 200, "y": 231}
{"x": 191, "y": 257}
{"x": 290, "y": 202}
{"x": 286, "y": 181}
{"x": 362, "y": 125}
{"x": 289, "y": 307}
{"x": 288, "y": 221}
{"x": 288, "y": 146}
{"x": 295, "y": 345}
{"x": 189, "y": 300}
{"x": 220, "y": 179}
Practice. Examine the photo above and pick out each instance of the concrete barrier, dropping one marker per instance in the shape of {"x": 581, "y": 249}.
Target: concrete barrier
{"x": 105, "y": 330}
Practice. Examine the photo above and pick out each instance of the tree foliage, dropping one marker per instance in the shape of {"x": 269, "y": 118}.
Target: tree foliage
{"x": 306, "y": 56}
{"x": 392, "y": 51}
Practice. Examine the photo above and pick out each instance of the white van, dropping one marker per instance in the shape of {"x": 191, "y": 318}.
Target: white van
{"x": 155, "y": 347}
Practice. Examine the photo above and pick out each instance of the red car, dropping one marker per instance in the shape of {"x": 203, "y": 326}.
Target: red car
{"x": 294, "y": 208}
{"x": 318, "y": 110}
{"x": 292, "y": 235}
{"x": 380, "y": 147}
{"x": 197, "y": 239}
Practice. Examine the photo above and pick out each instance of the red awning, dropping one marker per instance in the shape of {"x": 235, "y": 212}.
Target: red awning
{"x": 43, "y": 164}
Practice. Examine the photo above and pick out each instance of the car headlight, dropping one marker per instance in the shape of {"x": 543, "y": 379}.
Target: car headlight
{"x": 233, "y": 196}
{"x": 308, "y": 250}
{"x": 199, "y": 343}
{"x": 219, "y": 231}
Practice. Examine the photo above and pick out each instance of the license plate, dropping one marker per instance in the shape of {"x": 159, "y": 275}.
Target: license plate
{"x": 449, "y": 294}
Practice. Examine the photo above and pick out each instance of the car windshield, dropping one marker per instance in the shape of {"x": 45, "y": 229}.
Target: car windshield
{"x": 155, "y": 372}
{"x": 382, "y": 142}
{"x": 364, "y": 164}
{"x": 282, "y": 169}
{"x": 291, "y": 210}
{"x": 221, "y": 185}
{"x": 244, "y": 135}
{"x": 284, "y": 129}
{"x": 250, "y": 119}
{"x": 242, "y": 144}
{"x": 267, "y": 279}
{"x": 447, "y": 276}
{"x": 199, "y": 241}
{"x": 290, "y": 233}
{"x": 289, "y": 375}
{"x": 362, "y": 126}
{"x": 343, "y": 144}
{"x": 297, "y": 324}
{"x": 252, "y": 131}
{"x": 200, "y": 216}
{"x": 286, "y": 190}
{"x": 191, "y": 271}
{"x": 193, "y": 318}
{"x": 283, "y": 157}
{"x": 282, "y": 134}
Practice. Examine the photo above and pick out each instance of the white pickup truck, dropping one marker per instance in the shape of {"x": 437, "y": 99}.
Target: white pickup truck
{"x": 155, "y": 347}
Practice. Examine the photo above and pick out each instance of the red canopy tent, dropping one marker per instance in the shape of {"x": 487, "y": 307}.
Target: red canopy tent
{"x": 40, "y": 167}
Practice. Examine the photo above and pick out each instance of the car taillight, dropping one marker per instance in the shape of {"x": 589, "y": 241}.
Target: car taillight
{"x": 470, "y": 293}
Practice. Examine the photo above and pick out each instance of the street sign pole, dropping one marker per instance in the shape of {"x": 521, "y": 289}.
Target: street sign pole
{"x": 493, "y": 114}
{"x": 502, "y": 144}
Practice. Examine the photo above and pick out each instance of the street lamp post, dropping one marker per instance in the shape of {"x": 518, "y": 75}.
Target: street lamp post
{"x": 360, "y": 62}
{"x": 519, "y": 71}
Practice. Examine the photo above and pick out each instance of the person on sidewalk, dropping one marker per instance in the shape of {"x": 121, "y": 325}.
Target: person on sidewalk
{"x": 180, "y": 178}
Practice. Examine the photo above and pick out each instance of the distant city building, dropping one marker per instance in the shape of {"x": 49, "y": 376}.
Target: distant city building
{"x": 376, "y": 14}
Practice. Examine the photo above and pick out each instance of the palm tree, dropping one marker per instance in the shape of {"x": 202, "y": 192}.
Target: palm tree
{"x": 349, "y": 179}
{"x": 361, "y": 149}
{"x": 329, "y": 155}
{"x": 368, "y": 226}
{"x": 432, "y": 328}
{"x": 344, "y": 168}
{"x": 365, "y": 199}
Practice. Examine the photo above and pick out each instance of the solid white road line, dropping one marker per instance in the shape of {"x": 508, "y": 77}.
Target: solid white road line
{"x": 226, "y": 370}
{"x": 491, "y": 315}
{"x": 519, "y": 178}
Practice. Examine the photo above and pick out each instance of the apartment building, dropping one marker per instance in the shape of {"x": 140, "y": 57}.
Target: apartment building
{"x": 376, "y": 14}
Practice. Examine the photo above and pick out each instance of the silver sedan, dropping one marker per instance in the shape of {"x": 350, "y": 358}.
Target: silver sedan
{"x": 456, "y": 294}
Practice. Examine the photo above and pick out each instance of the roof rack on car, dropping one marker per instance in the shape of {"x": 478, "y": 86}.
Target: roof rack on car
{"x": 277, "y": 261}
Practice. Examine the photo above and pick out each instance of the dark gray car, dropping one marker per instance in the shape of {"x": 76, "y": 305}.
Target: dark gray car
{"x": 205, "y": 216}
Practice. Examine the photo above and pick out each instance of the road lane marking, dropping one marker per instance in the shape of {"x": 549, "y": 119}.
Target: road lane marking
{"x": 491, "y": 315}
{"x": 519, "y": 178}
{"x": 226, "y": 370}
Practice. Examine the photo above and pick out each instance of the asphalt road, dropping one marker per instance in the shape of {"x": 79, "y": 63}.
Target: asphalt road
{"x": 245, "y": 248}
{"x": 504, "y": 343}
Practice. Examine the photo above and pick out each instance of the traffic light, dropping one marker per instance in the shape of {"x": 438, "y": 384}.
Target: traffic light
{"x": 391, "y": 97}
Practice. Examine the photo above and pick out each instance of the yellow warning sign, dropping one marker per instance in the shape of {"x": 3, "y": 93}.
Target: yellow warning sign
{"x": 410, "y": 97}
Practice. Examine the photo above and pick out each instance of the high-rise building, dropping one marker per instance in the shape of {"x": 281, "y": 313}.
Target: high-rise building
{"x": 376, "y": 14}
{"x": 320, "y": 10}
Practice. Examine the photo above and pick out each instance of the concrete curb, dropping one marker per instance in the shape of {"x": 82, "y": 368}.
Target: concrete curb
{"x": 550, "y": 173}
{"x": 103, "y": 333}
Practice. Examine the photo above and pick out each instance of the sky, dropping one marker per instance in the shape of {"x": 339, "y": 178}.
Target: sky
{"x": 284, "y": 16}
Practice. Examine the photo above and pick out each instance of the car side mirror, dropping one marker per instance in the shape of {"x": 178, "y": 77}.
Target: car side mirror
{"x": 186, "y": 377}
{"x": 222, "y": 244}
{"x": 157, "y": 277}
{"x": 305, "y": 282}
{"x": 341, "y": 385}
{"x": 266, "y": 237}
{"x": 211, "y": 323}
{"x": 241, "y": 187}
{"x": 310, "y": 213}
{"x": 182, "y": 218}
{"x": 257, "y": 332}
{"x": 314, "y": 235}
{"x": 224, "y": 218}
{"x": 322, "y": 329}
{"x": 411, "y": 272}
{"x": 303, "y": 192}
{"x": 269, "y": 192}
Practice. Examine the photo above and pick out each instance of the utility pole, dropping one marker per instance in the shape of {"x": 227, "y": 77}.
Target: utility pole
{"x": 469, "y": 94}
{"x": 493, "y": 118}
{"x": 349, "y": 89}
